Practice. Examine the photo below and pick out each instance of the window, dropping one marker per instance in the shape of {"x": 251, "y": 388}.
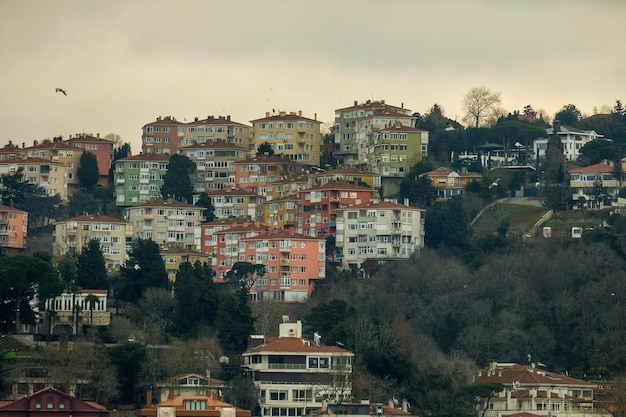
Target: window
{"x": 278, "y": 395}
{"x": 195, "y": 404}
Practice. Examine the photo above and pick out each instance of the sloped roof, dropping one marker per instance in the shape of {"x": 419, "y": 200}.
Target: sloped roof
{"x": 526, "y": 376}
{"x": 93, "y": 217}
{"x": 596, "y": 168}
{"x": 382, "y": 205}
{"x": 286, "y": 116}
{"x": 338, "y": 185}
{"x": 371, "y": 105}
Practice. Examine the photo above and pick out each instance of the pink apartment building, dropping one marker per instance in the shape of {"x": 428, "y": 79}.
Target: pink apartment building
{"x": 13, "y": 228}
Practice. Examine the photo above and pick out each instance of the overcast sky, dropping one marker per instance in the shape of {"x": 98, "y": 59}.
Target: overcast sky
{"x": 123, "y": 63}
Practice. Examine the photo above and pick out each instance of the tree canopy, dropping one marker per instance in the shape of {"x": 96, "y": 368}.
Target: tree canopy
{"x": 265, "y": 148}
{"x": 479, "y": 105}
{"x": 177, "y": 180}
{"x": 91, "y": 270}
{"x": 87, "y": 171}
{"x": 143, "y": 269}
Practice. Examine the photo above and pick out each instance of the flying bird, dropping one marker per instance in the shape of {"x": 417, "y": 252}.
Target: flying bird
{"x": 60, "y": 90}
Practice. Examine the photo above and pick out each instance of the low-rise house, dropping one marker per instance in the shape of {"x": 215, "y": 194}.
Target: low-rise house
{"x": 533, "y": 390}
{"x": 191, "y": 406}
{"x": 381, "y": 231}
{"x": 190, "y": 384}
{"x": 114, "y": 235}
{"x": 13, "y": 228}
{"x": 68, "y": 312}
{"x": 572, "y": 139}
{"x": 294, "y": 374}
{"x": 449, "y": 182}
{"x": 51, "y": 401}
{"x": 594, "y": 186}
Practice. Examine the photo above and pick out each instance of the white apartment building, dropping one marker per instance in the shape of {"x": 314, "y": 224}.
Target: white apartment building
{"x": 294, "y": 375}
{"x": 378, "y": 231}
{"x": 572, "y": 139}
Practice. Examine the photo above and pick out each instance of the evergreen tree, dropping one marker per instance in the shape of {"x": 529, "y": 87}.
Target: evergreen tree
{"x": 118, "y": 153}
{"x": 91, "y": 267}
{"x": 205, "y": 201}
{"x": 195, "y": 295}
{"x": 143, "y": 269}
{"x": 87, "y": 172}
{"x": 265, "y": 148}
{"x": 177, "y": 180}
{"x": 235, "y": 322}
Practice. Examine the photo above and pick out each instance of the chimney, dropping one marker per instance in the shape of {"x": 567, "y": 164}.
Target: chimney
{"x": 228, "y": 117}
{"x": 300, "y": 113}
{"x": 158, "y": 118}
{"x": 314, "y": 116}
{"x": 98, "y": 135}
{"x": 149, "y": 398}
{"x": 402, "y": 105}
{"x": 35, "y": 143}
{"x": 356, "y": 102}
{"x": 23, "y": 145}
{"x": 195, "y": 119}
{"x": 267, "y": 114}
{"x": 405, "y": 406}
{"x": 170, "y": 395}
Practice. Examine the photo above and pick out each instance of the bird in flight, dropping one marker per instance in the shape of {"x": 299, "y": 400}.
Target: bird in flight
{"x": 60, "y": 90}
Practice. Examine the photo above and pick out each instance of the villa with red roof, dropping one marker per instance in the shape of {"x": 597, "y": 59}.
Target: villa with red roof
{"x": 294, "y": 374}
{"x": 449, "y": 182}
{"x": 529, "y": 389}
{"x": 51, "y": 401}
{"x": 595, "y": 184}
{"x": 191, "y": 406}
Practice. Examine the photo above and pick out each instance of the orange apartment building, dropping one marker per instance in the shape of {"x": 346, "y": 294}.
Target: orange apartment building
{"x": 209, "y": 235}
{"x": 102, "y": 148}
{"x": 320, "y": 204}
{"x": 346, "y": 173}
{"x": 13, "y": 229}
{"x": 215, "y": 164}
{"x": 255, "y": 173}
{"x": 218, "y": 129}
{"x": 294, "y": 263}
{"x": 164, "y": 135}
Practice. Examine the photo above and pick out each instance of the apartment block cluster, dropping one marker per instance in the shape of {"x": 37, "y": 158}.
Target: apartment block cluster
{"x": 275, "y": 208}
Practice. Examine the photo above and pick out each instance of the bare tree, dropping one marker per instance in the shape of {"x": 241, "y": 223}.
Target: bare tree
{"x": 479, "y": 104}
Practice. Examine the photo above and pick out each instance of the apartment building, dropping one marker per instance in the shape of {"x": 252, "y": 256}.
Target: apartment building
{"x": 594, "y": 186}
{"x": 174, "y": 256}
{"x": 236, "y": 202}
{"x": 115, "y": 236}
{"x": 289, "y": 185}
{"x": 167, "y": 222}
{"x": 209, "y": 235}
{"x": 449, "y": 182}
{"x": 320, "y": 204}
{"x": 255, "y": 173}
{"x": 218, "y": 129}
{"x": 101, "y": 148}
{"x": 294, "y": 375}
{"x": 162, "y": 136}
{"x": 294, "y": 263}
{"x": 284, "y": 212}
{"x": 230, "y": 247}
{"x": 215, "y": 164}
{"x": 393, "y": 150}
{"x": 379, "y": 231}
{"x": 292, "y": 135}
{"x": 13, "y": 229}
{"x": 51, "y": 176}
{"x": 352, "y": 142}
{"x": 139, "y": 178}
{"x": 62, "y": 152}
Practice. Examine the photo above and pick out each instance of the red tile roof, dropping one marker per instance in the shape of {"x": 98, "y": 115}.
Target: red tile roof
{"x": 507, "y": 375}
{"x": 93, "y": 217}
{"x": 296, "y": 345}
{"x": 288, "y": 116}
{"x": 600, "y": 168}
{"x": 382, "y": 205}
{"x": 371, "y": 105}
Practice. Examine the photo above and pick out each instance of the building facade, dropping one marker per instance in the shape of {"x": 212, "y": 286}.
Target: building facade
{"x": 101, "y": 148}
{"x": 382, "y": 231}
{"x": 162, "y": 136}
{"x": 218, "y": 129}
{"x": 215, "y": 164}
{"x": 572, "y": 139}
{"x": 254, "y": 174}
{"x": 51, "y": 176}
{"x": 51, "y": 401}
{"x": 62, "y": 152}
{"x": 291, "y": 135}
{"x": 294, "y": 375}
{"x": 234, "y": 203}
{"x": 115, "y": 236}
{"x": 13, "y": 228}
{"x": 175, "y": 256}
{"x": 320, "y": 204}
{"x": 167, "y": 222}
{"x": 352, "y": 145}
{"x": 138, "y": 179}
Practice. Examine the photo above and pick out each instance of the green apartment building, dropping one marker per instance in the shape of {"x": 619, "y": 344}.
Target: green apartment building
{"x": 350, "y": 134}
{"x": 138, "y": 179}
